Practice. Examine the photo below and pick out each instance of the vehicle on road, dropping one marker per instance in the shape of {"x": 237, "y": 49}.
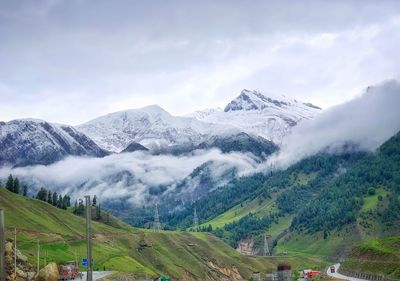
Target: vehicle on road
{"x": 332, "y": 268}
{"x": 68, "y": 271}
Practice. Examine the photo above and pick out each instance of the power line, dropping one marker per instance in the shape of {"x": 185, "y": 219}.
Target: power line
{"x": 157, "y": 224}
{"x": 266, "y": 247}
{"x": 195, "y": 220}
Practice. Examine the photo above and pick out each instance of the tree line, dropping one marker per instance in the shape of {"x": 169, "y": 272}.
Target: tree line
{"x": 14, "y": 185}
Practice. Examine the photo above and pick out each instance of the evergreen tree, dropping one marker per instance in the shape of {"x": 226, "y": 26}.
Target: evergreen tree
{"x": 76, "y": 207}
{"x": 16, "y": 186}
{"x": 55, "y": 198}
{"x": 59, "y": 201}
{"x": 65, "y": 202}
{"x": 25, "y": 190}
{"x": 49, "y": 198}
{"x": 81, "y": 207}
{"x": 94, "y": 201}
{"x": 42, "y": 194}
{"x": 10, "y": 183}
{"x": 98, "y": 212}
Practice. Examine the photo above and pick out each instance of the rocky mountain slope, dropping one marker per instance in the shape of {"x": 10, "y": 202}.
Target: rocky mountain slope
{"x": 251, "y": 112}
{"x": 268, "y": 116}
{"x": 32, "y": 141}
{"x": 152, "y": 127}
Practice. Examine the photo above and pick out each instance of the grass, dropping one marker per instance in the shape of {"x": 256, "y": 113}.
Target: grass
{"x": 371, "y": 201}
{"x": 378, "y": 256}
{"x": 333, "y": 247}
{"x": 257, "y": 207}
{"x": 121, "y": 247}
{"x": 282, "y": 225}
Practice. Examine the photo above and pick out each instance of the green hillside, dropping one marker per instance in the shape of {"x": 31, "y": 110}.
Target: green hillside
{"x": 123, "y": 248}
{"x": 321, "y": 206}
{"x": 379, "y": 256}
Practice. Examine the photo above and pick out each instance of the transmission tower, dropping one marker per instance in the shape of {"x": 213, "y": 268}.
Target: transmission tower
{"x": 195, "y": 220}
{"x": 157, "y": 224}
{"x": 266, "y": 247}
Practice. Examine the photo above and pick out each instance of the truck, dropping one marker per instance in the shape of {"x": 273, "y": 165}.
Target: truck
{"x": 68, "y": 271}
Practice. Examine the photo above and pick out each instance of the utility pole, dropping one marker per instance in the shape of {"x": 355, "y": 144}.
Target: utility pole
{"x": 2, "y": 247}
{"x": 195, "y": 220}
{"x": 157, "y": 224}
{"x": 15, "y": 252}
{"x": 89, "y": 276}
{"x": 266, "y": 247}
{"x": 38, "y": 256}
{"x": 76, "y": 259}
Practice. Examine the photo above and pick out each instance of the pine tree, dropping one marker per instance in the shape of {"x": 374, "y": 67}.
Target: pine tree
{"x": 64, "y": 202}
{"x": 10, "y": 183}
{"x": 81, "y": 207}
{"x": 42, "y": 194}
{"x": 98, "y": 212}
{"x": 49, "y": 198}
{"x": 76, "y": 207}
{"x": 25, "y": 190}
{"x": 94, "y": 201}
{"x": 16, "y": 186}
{"x": 55, "y": 198}
{"x": 59, "y": 201}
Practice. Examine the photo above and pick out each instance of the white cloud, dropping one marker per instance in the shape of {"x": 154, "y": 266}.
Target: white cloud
{"x": 366, "y": 121}
{"x": 71, "y": 61}
{"x": 127, "y": 175}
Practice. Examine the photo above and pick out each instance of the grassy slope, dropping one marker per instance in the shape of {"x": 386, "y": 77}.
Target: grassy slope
{"x": 259, "y": 208}
{"x": 340, "y": 242}
{"x": 379, "y": 256}
{"x": 126, "y": 249}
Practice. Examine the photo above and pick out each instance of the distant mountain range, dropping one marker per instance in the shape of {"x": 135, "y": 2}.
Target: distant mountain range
{"x": 32, "y": 141}
{"x": 252, "y": 122}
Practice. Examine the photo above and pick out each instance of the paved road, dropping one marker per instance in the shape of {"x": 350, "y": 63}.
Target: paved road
{"x": 341, "y": 276}
{"x": 96, "y": 275}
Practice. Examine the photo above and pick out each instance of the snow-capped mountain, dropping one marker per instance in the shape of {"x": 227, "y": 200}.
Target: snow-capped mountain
{"x": 152, "y": 127}
{"x": 270, "y": 117}
{"x": 32, "y": 141}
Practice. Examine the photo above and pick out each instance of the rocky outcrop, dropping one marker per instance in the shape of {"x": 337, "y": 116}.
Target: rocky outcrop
{"x": 49, "y": 273}
{"x": 23, "y": 267}
{"x": 230, "y": 273}
{"x": 246, "y": 247}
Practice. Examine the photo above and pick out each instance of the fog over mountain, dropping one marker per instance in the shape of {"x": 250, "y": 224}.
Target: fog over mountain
{"x": 366, "y": 122}
{"x": 128, "y": 175}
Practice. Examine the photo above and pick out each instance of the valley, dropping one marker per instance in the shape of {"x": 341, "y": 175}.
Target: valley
{"x": 214, "y": 195}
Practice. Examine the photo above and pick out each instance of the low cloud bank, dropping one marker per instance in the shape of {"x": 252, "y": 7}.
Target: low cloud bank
{"x": 366, "y": 121}
{"x": 128, "y": 175}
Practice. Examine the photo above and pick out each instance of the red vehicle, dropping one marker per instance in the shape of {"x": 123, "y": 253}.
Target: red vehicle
{"x": 68, "y": 271}
{"x": 333, "y": 269}
{"x": 312, "y": 273}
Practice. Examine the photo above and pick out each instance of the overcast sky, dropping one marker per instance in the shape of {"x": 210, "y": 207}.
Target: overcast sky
{"x": 70, "y": 61}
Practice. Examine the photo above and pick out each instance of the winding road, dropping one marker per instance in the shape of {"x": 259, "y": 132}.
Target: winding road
{"x": 341, "y": 276}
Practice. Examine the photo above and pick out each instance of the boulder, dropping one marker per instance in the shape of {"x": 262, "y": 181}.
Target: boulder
{"x": 21, "y": 258}
{"x": 9, "y": 248}
{"x": 49, "y": 273}
{"x": 21, "y": 273}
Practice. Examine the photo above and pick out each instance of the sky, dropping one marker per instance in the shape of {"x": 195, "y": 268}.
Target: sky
{"x": 69, "y": 61}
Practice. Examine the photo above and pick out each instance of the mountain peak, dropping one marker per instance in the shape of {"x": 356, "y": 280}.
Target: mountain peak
{"x": 254, "y": 100}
